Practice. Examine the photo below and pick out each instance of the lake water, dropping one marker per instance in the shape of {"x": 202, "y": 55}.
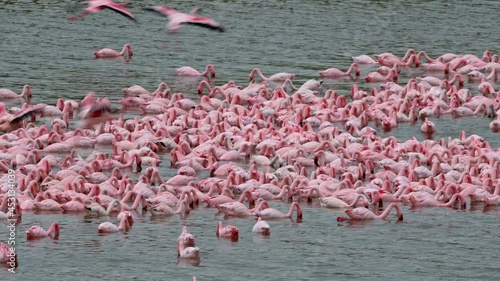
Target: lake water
{"x": 42, "y": 48}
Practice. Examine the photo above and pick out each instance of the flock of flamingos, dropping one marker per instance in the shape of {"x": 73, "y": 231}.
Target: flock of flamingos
{"x": 299, "y": 143}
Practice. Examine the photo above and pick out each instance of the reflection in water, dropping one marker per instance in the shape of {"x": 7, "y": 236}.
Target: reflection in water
{"x": 188, "y": 262}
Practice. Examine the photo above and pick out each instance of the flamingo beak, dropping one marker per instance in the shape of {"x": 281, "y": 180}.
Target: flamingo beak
{"x": 342, "y": 219}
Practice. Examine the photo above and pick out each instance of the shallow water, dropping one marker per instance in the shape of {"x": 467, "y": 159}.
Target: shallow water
{"x": 41, "y": 47}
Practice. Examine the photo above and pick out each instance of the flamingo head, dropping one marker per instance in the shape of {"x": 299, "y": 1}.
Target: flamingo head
{"x": 188, "y": 240}
{"x": 234, "y": 233}
{"x": 266, "y": 231}
{"x": 32, "y": 232}
{"x": 342, "y": 219}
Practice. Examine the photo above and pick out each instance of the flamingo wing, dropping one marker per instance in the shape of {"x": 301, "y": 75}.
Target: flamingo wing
{"x": 204, "y": 22}
{"x": 121, "y": 10}
{"x": 27, "y": 112}
{"x": 162, "y": 10}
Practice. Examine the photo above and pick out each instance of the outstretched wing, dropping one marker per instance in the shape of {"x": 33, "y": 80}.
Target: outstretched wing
{"x": 162, "y": 10}
{"x": 98, "y": 109}
{"x": 119, "y": 9}
{"x": 204, "y": 22}
{"x": 27, "y": 112}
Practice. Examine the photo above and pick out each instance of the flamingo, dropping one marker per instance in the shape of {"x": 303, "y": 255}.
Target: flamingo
{"x": 362, "y": 213}
{"x": 177, "y": 19}
{"x": 94, "y": 111}
{"x": 336, "y": 73}
{"x": 186, "y": 247}
{"x": 364, "y": 59}
{"x": 430, "y": 201}
{"x": 37, "y": 232}
{"x": 9, "y": 122}
{"x": 8, "y": 256}
{"x": 278, "y": 77}
{"x": 95, "y": 6}
{"x": 107, "y": 227}
{"x": 428, "y": 127}
{"x": 189, "y": 71}
{"x": 163, "y": 209}
{"x": 228, "y": 231}
{"x": 110, "y": 53}
{"x": 262, "y": 227}
{"x": 9, "y": 94}
{"x": 271, "y": 213}
{"x": 97, "y": 209}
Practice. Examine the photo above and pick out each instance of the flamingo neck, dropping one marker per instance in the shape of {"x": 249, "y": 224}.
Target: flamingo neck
{"x": 124, "y": 224}
{"x": 358, "y": 197}
{"x": 389, "y": 209}
{"x": 112, "y": 205}
{"x": 54, "y": 228}
{"x": 299, "y": 210}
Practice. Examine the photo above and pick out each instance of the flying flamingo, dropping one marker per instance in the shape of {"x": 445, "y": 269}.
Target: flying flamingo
{"x": 228, "y": 231}
{"x": 261, "y": 226}
{"x": 110, "y": 53}
{"x": 189, "y": 71}
{"x": 278, "y": 77}
{"x": 362, "y": 213}
{"x": 95, "y": 6}
{"x": 94, "y": 111}
{"x": 177, "y": 19}
{"x": 9, "y": 94}
{"x": 36, "y": 232}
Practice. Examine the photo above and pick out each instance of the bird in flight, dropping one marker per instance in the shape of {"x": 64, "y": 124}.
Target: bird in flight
{"x": 177, "y": 19}
{"x": 95, "y": 6}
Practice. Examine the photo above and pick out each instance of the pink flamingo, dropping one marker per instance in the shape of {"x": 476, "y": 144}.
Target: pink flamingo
{"x": 428, "y": 127}
{"x": 94, "y": 111}
{"x": 228, "y": 231}
{"x": 364, "y": 59}
{"x": 110, "y": 53}
{"x": 189, "y": 71}
{"x": 98, "y": 210}
{"x": 107, "y": 227}
{"x": 278, "y": 77}
{"x": 271, "y": 213}
{"x": 95, "y": 6}
{"x": 430, "y": 201}
{"x": 177, "y": 19}
{"x": 9, "y": 122}
{"x": 261, "y": 226}
{"x": 362, "y": 213}
{"x": 336, "y": 73}
{"x": 9, "y": 94}
{"x": 7, "y": 256}
{"x": 163, "y": 209}
{"x": 36, "y": 232}
{"x": 186, "y": 247}
{"x": 377, "y": 77}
